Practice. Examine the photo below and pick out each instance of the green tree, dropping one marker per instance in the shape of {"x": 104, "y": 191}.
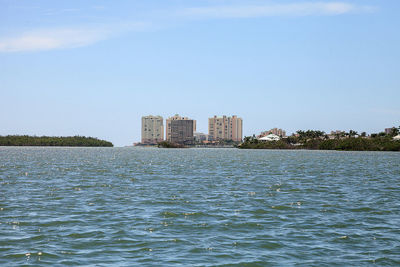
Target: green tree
{"x": 25, "y": 140}
{"x": 394, "y": 131}
{"x": 352, "y": 133}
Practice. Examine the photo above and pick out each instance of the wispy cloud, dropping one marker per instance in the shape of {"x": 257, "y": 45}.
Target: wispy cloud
{"x": 52, "y": 39}
{"x": 71, "y": 37}
{"x": 269, "y": 10}
{"x": 59, "y": 38}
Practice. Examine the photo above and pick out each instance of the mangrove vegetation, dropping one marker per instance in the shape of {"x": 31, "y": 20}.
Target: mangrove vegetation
{"x": 318, "y": 140}
{"x": 167, "y": 144}
{"x": 71, "y": 141}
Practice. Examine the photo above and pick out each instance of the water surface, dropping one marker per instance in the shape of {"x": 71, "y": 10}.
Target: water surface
{"x": 198, "y": 207}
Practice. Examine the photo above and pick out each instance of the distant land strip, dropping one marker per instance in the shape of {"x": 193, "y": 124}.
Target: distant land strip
{"x": 70, "y": 141}
{"x": 380, "y": 143}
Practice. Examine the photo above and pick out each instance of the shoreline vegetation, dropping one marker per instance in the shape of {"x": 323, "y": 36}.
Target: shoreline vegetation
{"x": 318, "y": 140}
{"x": 311, "y": 140}
{"x": 166, "y": 144}
{"x": 66, "y": 141}
{"x": 218, "y": 144}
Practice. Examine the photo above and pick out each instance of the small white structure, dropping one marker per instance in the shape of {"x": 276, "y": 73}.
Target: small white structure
{"x": 200, "y": 136}
{"x": 397, "y": 137}
{"x": 270, "y": 137}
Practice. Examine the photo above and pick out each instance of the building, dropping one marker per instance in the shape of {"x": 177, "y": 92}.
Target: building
{"x": 225, "y": 128}
{"x": 180, "y": 130}
{"x": 152, "y": 129}
{"x": 274, "y": 131}
{"x": 168, "y": 125}
{"x": 200, "y": 137}
{"x": 391, "y": 131}
{"x": 338, "y": 132}
{"x": 269, "y": 138}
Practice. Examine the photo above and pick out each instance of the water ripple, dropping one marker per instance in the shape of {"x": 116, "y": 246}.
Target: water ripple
{"x": 198, "y": 207}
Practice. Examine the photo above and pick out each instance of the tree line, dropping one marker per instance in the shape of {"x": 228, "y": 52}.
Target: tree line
{"x": 73, "y": 141}
{"x": 319, "y": 140}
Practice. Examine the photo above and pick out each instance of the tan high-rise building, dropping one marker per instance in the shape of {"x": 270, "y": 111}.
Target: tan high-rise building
{"x": 276, "y": 131}
{"x": 168, "y": 128}
{"x": 225, "y": 128}
{"x": 152, "y": 129}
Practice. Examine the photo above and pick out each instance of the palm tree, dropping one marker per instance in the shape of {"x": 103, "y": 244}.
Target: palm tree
{"x": 394, "y": 131}
{"x": 352, "y": 133}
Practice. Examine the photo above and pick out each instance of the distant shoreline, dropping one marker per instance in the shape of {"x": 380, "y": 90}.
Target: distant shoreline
{"x": 346, "y": 144}
{"x": 52, "y": 141}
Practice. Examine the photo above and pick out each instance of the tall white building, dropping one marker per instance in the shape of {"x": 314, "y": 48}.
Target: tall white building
{"x": 152, "y": 129}
{"x": 225, "y": 128}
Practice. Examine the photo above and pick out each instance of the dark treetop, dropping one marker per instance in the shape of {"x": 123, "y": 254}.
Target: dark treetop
{"x": 318, "y": 140}
{"x": 25, "y": 140}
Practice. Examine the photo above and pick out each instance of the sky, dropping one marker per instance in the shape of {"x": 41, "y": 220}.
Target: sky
{"x": 95, "y": 67}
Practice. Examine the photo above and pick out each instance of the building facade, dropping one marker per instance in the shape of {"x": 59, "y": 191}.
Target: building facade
{"x": 152, "y": 129}
{"x": 279, "y": 132}
{"x": 168, "y": 128}
{"x": 200, "y": 137}
{"x": 225, "y": 128}
{"x": 389, "y": 130}
{"x": 182, "y": 132}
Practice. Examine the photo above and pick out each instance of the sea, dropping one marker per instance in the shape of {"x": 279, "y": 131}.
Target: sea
{"x": 198, "y": 207}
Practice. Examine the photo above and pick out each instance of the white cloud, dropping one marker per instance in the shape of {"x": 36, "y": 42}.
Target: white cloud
{"x": 266, "y": 10}
{"x": 61, "y": 38}
{"x": 52, "y": 39}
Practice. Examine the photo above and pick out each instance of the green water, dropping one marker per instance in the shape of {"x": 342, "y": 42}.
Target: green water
{"x": 198, "y": 207}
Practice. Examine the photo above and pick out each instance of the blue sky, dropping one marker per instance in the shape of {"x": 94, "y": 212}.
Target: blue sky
{"x": 95, "y": 67}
